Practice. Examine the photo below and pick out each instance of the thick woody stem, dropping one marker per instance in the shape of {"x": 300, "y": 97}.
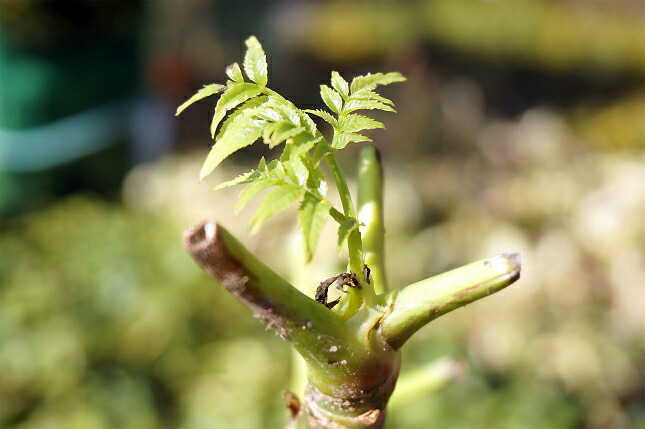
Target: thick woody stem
{"x": 361, "y": 410}
{"x": 294, "y": 316}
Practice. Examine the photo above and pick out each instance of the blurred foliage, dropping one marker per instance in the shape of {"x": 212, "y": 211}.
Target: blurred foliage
{"x": 559, "y": 36}
{"x": 105, "y": 322}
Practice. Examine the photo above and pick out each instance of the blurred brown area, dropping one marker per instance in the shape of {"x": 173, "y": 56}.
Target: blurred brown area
{"x": 521, "y": 128}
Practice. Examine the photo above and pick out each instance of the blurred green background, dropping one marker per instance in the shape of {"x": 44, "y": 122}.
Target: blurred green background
{"x": 521, "y": 128}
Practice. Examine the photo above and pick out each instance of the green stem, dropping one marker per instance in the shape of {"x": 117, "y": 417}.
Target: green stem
{"x": 370, "y": 214}
{"x": 415, "y": 305}
{"x": 354, "y": 242}
{"x": 295, "y": 317}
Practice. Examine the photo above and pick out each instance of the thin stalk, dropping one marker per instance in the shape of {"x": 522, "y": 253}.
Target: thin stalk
{"x": 354, "y": 242}
{"x": 370, "y": 214}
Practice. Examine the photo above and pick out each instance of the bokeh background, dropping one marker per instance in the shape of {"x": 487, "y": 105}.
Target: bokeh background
{"x": 521, "y": 128}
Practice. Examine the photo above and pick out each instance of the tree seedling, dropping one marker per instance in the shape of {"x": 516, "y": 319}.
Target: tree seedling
{"x": 351, "y": 345}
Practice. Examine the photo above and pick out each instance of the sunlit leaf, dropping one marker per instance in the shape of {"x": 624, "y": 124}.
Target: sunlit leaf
{"x": 328, "y": 117}
{"x": 282, "y": 131}
{"x": 332, "y": 99}
{"x": 242, "y": 132}
{"x": 236, "y": 94}
{"x": 367, "y": 94}
{"x": 253, "y": 189}
{"x": 244, "y": 178}
{"x": 244, "y": 109}
{"x": 255, "y": 62}
{"x": 340, "y": 84}
{"x": 343, "y": 139}
{"x": 235, "y": 73}
{"x": 354, "y": 123}
{"x": 273, "y": 203}
{"x": 354, "y": 105}
{"x": 206, "y": 91}
{"x": 371, "y": 81}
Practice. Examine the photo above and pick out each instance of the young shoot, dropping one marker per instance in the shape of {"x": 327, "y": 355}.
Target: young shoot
{"x": 351, "y": 345}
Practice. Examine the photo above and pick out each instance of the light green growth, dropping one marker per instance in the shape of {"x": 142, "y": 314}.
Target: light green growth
{"x": 351, "y": 347}
{"x": 256, "y": 112}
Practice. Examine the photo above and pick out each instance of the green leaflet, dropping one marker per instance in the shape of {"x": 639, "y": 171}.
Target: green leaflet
{"x": 242, "y": 132}
{"x": 249, "y": 177}
{"x": 355, "y": 123}
{"x": 307, "y": 122}
{"x": 371, "y": 81}
{"x": 366, "y": 94}
{"x": 332, "y": 99}
{"x": 255, "y": 62}
{"x": 274, "y": 202}
{"x": 235, "y": 73}
{"x": 299, "y": 146}
{"x": 235, "y": 94}
{"x": 353, "y": 105}
{"x": 206, "y": 91}
{"x": 343, "y": 139}
{"x": 282, "y": 131}
{"x": 295, "y": 172}
{"x": 254, "y": 188}
{"x": 243, "y": 178}
{"x": 243, "y": 109}
{"x": 324, "y": 115}
{"x": 287, "y": 110}
{"x": 340, "y": 84}
{"x": 312, "y": 217}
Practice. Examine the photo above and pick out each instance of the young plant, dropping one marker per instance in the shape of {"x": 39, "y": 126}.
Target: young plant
{"x": 351, "y": 346}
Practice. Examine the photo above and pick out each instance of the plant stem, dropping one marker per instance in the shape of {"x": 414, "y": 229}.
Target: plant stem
{"x": 309, "y": 326}
{"x": 354, "y": 242}
{"x": 370, "y": 214}
{"x": 415, "y": 305}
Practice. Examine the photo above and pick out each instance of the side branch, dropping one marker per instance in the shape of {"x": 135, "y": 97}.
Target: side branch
{"x": 294, "y": 316}
{"x": 415, "y": 305}
{"x": 370, "y": 214}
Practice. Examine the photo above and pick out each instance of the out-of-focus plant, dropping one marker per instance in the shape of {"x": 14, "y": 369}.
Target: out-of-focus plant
{"x": 351, "y": 345}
